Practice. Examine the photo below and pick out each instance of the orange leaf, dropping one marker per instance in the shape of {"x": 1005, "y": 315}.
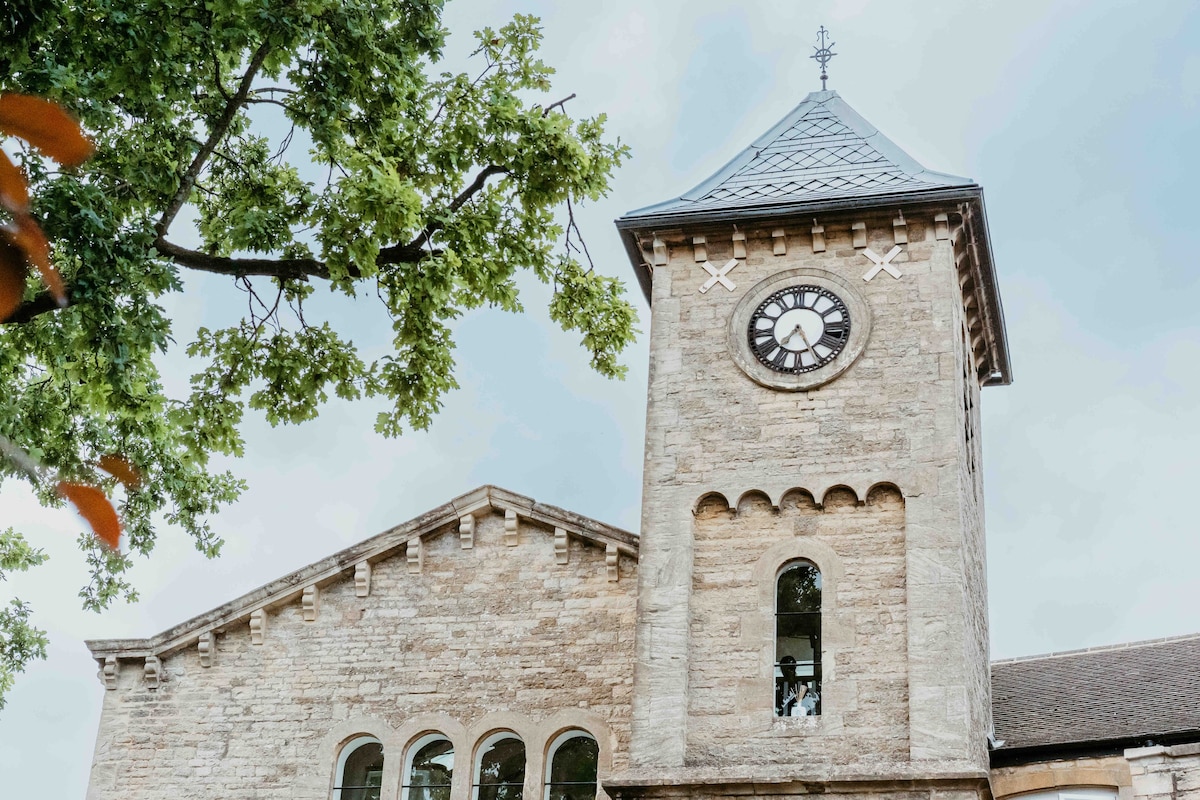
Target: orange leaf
{"x": 29, "y": 237}
{"x": 14, "y": 191}
{"x": 45, "y": 126}
{"x": 122, "y": 470}
{"x": 94, "y": 507}
{"x": 12, "y": 278}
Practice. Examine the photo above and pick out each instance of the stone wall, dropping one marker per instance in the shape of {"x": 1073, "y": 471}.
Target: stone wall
{"x": 738, "y": 553}
{"x": 897, "y": 416}
{"x": 1165, "y": 773}
{"x": 492, "y": 637}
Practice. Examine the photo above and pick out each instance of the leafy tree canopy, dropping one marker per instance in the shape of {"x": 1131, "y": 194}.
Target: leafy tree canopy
{"x": 433, "y": 189}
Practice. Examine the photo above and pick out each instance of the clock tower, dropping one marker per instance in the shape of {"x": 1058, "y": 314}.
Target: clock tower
{"x": 812, "y": 601}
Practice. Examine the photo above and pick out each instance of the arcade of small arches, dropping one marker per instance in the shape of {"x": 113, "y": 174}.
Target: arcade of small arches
{"x": 498, "y": 768}
{"x": 828, "y": 498}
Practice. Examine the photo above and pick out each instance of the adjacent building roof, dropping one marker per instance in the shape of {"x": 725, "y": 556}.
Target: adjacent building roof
{"x": 822, "y": 151}
{"x": 1120, "y": 694}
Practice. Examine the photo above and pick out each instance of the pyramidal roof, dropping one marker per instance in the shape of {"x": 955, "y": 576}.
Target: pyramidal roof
{"x": 821, "y": 152}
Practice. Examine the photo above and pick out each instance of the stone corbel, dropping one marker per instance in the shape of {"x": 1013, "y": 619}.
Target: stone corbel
{"x": 739, "y": 244}
{"x": 413, "y": 552}
{"x": 466, "y": 531}
{"x": 859, "y": 233}
{"x": 562, "y": 553}
{"x": 153, "y": 672}
{"x": 780, "y": 238}
{"x": 900, "y": 229}
{"x": 362, "y": 579}
{"x": 258, "y": 625}
{"x": 109, "y": 672}
{"x": 818, "y": 237}
{"x": 700, "y": 248}
{"x": 660, "y": 251}
{"x": 612, "y": 563}
{"x": 205, "y": 646}
{"x": 511, "y": 532}
{"x": 308, "y": 602}
{"x": 941, "y": 226}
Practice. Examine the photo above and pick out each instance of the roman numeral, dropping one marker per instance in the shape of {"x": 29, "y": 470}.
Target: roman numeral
{"x": 833, "y": 343}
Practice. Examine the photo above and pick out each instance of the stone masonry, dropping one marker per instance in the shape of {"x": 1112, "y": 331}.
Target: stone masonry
{"x": 502, "y": 635}
{"x": 904, "y": 415}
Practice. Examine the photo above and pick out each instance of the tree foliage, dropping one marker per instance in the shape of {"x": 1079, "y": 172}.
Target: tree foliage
{"x": 294, "y": 146}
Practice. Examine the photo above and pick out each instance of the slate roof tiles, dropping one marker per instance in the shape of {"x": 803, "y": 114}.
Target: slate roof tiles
{"x": 1141, "y": 690}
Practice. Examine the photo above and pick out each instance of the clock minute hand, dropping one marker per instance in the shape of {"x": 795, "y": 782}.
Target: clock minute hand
{"x": 800, "y": 330}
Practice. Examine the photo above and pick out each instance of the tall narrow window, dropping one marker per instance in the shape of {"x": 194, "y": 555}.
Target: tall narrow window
{"x": 430, "y": 768}
{"x": 500, "y": 768}
{"x": 359, "y": 770}
{"x": 798, "y": 641}
{"x": 571, "y": 768}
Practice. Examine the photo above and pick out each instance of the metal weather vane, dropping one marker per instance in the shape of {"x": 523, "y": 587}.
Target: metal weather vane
{"x": 823, "y": 55}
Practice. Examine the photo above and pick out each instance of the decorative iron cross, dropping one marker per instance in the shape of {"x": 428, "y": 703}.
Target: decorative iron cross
{"x": 718, "y": 275}
{"x": 884, "y": 264}
{"x": 823, "y": 55}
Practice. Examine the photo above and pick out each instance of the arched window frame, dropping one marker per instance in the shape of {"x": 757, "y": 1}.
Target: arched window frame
{"x": 481, "y": 749}
{"x": 348, "y": 749}
{"x": 552, "y": 751}
{"x": 785, "y": 691}
{"x": 416, "y": 747}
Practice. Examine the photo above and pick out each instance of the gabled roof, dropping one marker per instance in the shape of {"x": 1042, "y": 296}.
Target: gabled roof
{"x": 341, "y": 565}
{"x": 1122, "y": 694}
{"x": 822, "y": 151}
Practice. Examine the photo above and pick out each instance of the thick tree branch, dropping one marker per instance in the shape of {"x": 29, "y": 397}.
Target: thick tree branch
{"x": 282, "y": 268}
{"x": 216, "y": 133}
{"x": 417, "y": 244}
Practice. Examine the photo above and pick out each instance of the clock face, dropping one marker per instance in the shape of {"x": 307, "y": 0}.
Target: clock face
{"x": 798, "y": 329}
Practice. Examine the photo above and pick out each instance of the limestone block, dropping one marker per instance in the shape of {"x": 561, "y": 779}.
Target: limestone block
{"x": 466, "y": 531}
{"x": 153, "y": 672}
{"x": 206, "y": 646}
{"x": 511, "y": 528}
{"x": 110, "y": 672}
{"x": 309, "y": 599}
{"x": 362, "y": 579}
{"x": 258, "y": 625}
{"x": 562, "y": 551}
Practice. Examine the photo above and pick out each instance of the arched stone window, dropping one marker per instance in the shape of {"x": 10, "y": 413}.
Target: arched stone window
{"x": 359, "y": 770}
{"x": 429, "y": 769}
{"x": 798, "y": 640}
{"x": 571, "y": 767}
{"x": 500, "y": 768}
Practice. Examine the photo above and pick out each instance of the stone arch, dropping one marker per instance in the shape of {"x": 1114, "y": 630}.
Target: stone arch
{"x": 420, "y": 725}
{"x": 798, "y": 499}
{"x": 754, "y": 501}
{"x": 884, "y": 492}
{"x": 1016, "y": 782}
{"x": 711, "y": 504}
{"x": 347, "y": 731}
{"x": 574, "y": 719}
{"x": 840, "y": 496}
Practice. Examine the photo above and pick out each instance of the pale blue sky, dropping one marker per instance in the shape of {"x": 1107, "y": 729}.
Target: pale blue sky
{"x": 1082, "y": 122}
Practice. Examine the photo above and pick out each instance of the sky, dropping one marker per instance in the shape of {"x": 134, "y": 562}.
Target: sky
{"x": 1081, "y": 120}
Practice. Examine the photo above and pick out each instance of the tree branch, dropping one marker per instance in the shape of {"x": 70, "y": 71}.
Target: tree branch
{"x": 396, "y": 253}
{"x": 559, "y": 104}
{"x": 282, "y": 268}
{"x": 218, "y": 131}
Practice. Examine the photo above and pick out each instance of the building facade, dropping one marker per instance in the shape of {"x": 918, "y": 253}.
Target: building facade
{"x": 804, "y": 610}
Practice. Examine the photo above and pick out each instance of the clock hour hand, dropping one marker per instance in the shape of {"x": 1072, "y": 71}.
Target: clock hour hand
{"x": 800, "y": 330}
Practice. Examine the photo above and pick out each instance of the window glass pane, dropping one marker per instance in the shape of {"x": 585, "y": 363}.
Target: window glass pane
{"x": 501, "y": 770}
{"x": 431, "y": 772}
{"x": 798, "y": 642}
{"x": 573, "y": 769}
{"x": 362, "y": 773}
{"x": 799, "y": 589}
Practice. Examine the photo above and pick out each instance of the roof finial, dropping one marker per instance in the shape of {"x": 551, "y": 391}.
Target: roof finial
{"x": 823, "y": 55}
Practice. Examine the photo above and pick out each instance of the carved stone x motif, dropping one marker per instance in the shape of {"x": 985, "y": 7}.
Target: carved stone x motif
{"x": 718, "y": 275}
{"x": 884, "y": 264}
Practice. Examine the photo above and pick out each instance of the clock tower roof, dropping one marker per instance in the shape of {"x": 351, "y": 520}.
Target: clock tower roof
{"x": 822, "y": 155}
